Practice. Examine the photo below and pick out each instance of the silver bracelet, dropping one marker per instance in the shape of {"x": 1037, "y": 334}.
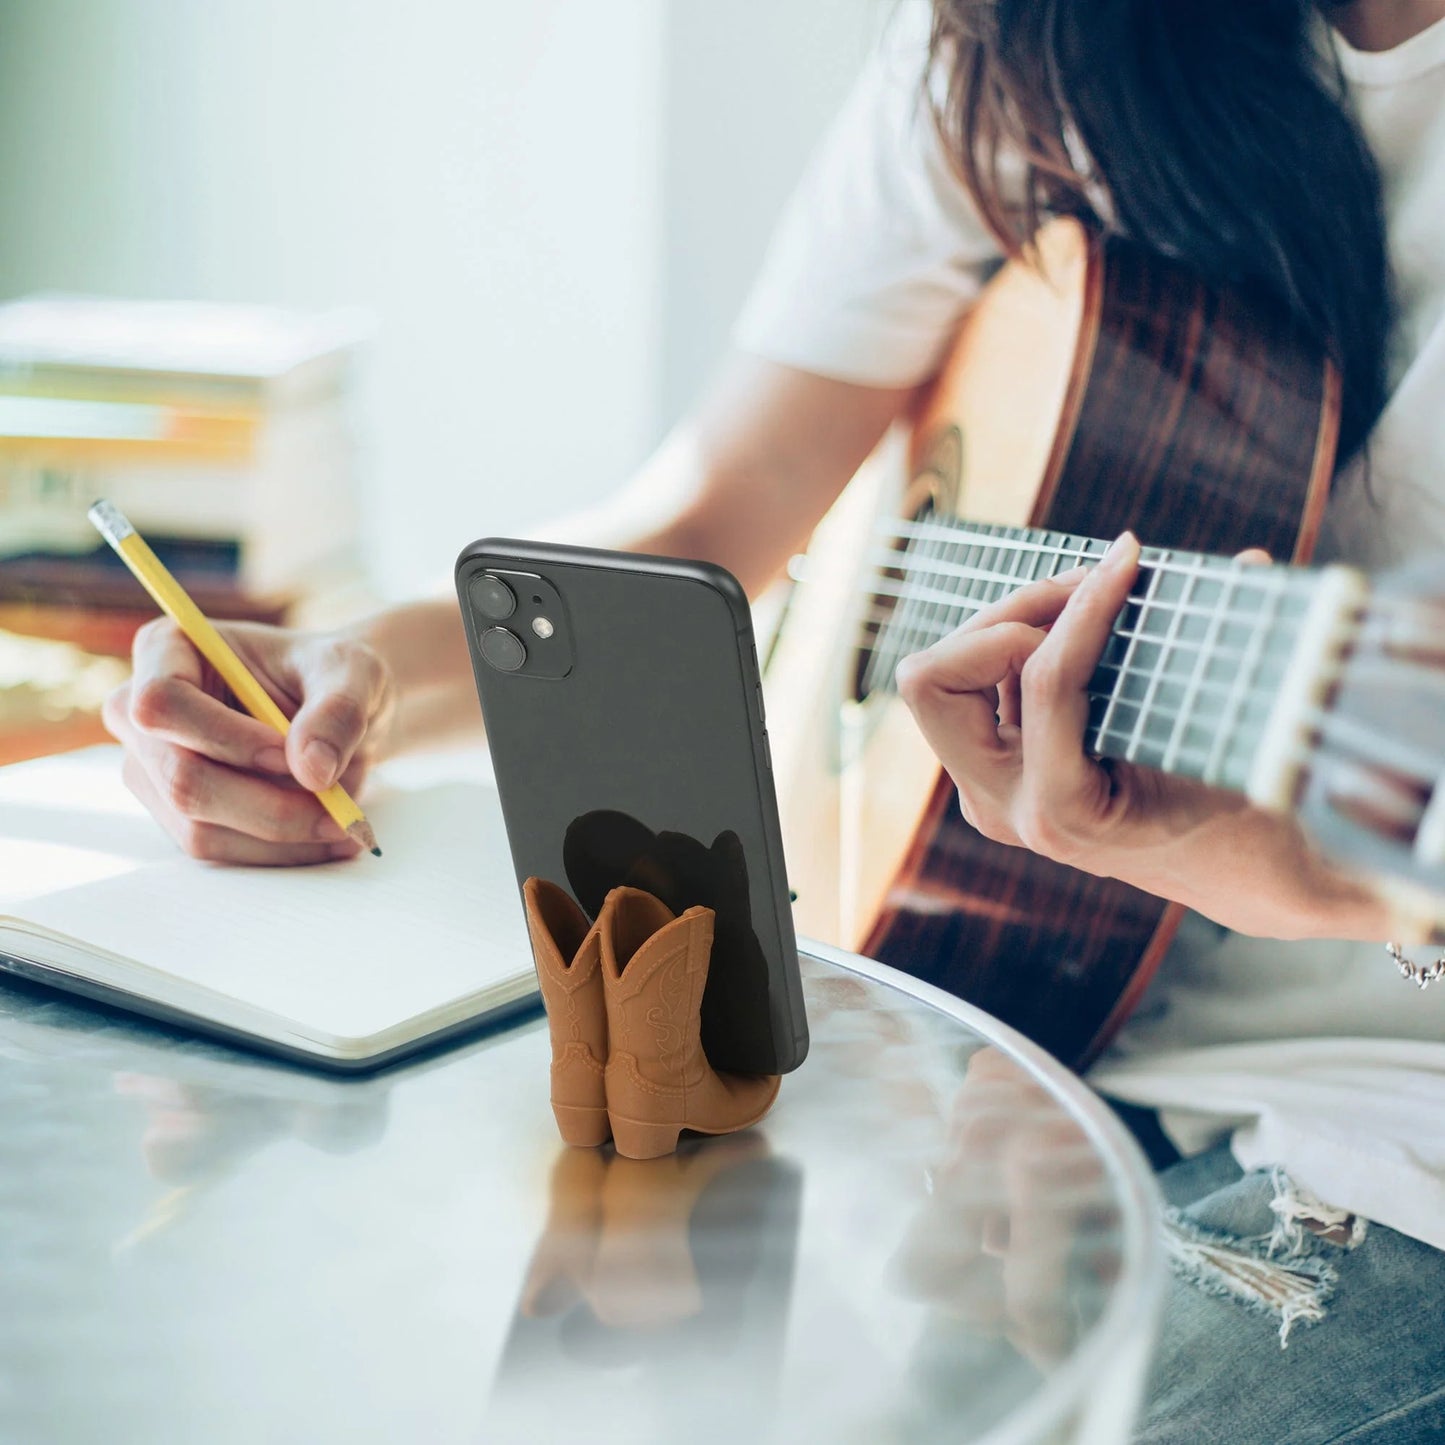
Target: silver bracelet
{"x": 1421, "y": 975}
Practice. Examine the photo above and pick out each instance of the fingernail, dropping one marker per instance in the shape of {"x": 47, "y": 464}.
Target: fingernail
{"x": 321, "y": 761}
{"x": 272, "y": 760}
{"x": 1124, "y": 543}
{"x": 1071, "y": 575}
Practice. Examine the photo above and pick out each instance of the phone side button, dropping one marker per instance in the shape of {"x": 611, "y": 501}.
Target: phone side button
{"x": 762, "y": 714}
{"x": 767, "y": 751}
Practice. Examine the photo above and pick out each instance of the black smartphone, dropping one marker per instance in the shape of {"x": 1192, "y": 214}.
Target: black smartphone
{"x": 624, "y": 713}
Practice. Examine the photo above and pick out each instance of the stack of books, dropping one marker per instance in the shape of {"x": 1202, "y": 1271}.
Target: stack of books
{"x": 223, "y": 432}
{"x": 50, "y": 696}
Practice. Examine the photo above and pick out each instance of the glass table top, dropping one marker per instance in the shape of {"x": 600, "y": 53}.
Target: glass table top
{"x": 936, "y": 1235}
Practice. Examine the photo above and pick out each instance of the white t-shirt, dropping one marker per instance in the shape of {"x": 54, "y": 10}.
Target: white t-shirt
{"x": 1316, "y": 1054}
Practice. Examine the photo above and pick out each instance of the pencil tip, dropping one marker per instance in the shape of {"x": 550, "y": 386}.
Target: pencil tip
{"x": 376, "y": 852}
{"x": 360, "y": 832}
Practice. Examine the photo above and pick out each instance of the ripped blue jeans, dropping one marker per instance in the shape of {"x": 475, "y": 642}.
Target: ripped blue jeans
{"x": 1359, "y": 1309}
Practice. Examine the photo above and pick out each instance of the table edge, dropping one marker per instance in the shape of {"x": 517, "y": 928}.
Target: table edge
{"x": 1143, "y": 1273}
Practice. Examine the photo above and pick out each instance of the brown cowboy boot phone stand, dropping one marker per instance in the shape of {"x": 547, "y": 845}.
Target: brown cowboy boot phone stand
{"x": 624, "y": 1000}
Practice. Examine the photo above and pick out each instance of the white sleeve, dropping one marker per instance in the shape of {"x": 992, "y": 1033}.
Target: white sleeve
{"x": 880, "y": 249}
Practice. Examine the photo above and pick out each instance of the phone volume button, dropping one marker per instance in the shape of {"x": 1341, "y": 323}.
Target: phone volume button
{"x": 762, "y": 714}
{"x": 767, "y": 751}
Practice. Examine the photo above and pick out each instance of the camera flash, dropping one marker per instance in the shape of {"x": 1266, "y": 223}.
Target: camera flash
{"x": 542, "y": 627}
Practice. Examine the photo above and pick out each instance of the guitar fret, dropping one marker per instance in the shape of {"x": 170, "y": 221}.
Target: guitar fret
{"x": 924, "y": 611}
{"x": 1161, "y": 682}
{"x": 978, "y": 557}
{"x": 1034, "y": 561}
{"x": 1016, "y": 566}
{"x": 1244, "y": 680}
{"x": 919, "y": 633}
{"x": 1189, "y": 760}
{"x": 1130, "y": 645}
{"x": 958, "y": 555}
{"x": 1006, "y": 559}
{"x": 1136, "y": 738}
{"x": 1190, "y": 609}
{"x": 1219, "y": 653}
{"x": 1090, "y": 549}
{"x": 1103, "y": 693}
{"x": 1173, "y": 748}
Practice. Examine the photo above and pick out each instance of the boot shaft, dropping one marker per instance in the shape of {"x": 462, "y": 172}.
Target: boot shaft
{"x": 655, "y": 969}
{"x": 568, "y": 955}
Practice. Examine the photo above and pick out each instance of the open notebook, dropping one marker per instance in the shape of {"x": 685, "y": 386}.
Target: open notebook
{"x": 350, "y": 964}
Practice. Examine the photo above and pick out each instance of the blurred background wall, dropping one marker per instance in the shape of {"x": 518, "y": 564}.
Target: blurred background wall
{"x": 552, "y": 208}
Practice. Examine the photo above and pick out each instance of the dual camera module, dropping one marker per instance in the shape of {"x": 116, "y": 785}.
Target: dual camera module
{"x": 533, "y": 639}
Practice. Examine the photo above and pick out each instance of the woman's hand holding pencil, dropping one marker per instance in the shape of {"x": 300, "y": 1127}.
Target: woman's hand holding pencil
{"x": 195, "y": 758}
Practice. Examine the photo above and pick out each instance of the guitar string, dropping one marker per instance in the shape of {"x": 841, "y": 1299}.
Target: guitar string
{"x": 1412, "y": 763}
{"x": 915, "y": 625}
{"x": 1133, "y": 635}
{"x": 1117, "y": 743}
{"x": 907, "y": 633}
{"x": 928, "y": 615}
{"x": 1082, "y": 550}
{"x": 963, "y": 551}
{"x": 1133, "y": 743}
{"x": 1225, "y": 572}
{"x": 1412, "y": 770}
{"x": 1201, "y": 684}
{"x": 979, "y": 566}
{"x": 904, "y": 636}
{"x": 1418, "y": 764}
{"x": 1243, "y": 679}
{"x": 1301, "y": 584}
{"x": 1130, "y": 671}
{"x": 1241, "y": 619}
{"x": 1018, "y": 540}
{"x": 926, "y": 607}
{"x": 1399, "y": 669}
{"x": 1219, "y": 654}
{"x": 1074, "y": 548}
{"x": 1406, "y": 758}
{"x": 1264, "y": 578}
{"x": 1415, "y": 765}
{"x": 1403, "y": 672}
{"x": 1136, "y": 736}
{"x": 989, "y": 575}
{"x": 1220, "y": 689}
{"x": 1160, "y": 713}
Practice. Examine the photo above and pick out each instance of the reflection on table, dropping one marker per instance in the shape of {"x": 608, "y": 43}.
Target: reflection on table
{"x": 928, "y": 1239}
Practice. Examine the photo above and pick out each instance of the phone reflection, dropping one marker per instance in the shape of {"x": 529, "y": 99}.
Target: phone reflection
{"x": 607, "y": 849}
{"x": 1016, "y": 1250}
{"x": 652, "y": 1276}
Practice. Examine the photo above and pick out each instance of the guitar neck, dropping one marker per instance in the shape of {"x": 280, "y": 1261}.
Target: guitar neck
{"x": 1195, "y": 666}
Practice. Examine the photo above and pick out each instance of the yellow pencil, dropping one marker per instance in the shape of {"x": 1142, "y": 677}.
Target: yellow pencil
{"x": 174, "y": 601}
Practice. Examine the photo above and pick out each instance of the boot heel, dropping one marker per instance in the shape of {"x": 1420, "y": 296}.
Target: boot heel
{"x": 582, "y": 1126}
{"x": 642, "y": 1139}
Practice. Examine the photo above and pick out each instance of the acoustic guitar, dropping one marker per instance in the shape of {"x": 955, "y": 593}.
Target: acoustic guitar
{"x": 1095, "y": 387}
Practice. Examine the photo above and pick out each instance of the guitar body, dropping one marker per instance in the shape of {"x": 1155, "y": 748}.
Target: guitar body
{"x": 1096, "y": 389}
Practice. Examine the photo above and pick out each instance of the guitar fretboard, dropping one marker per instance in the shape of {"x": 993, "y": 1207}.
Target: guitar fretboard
{"x": 1193, "y": 666}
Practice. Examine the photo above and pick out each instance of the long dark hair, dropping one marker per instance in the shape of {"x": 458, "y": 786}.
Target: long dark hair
{"x": 1218, "y": 133}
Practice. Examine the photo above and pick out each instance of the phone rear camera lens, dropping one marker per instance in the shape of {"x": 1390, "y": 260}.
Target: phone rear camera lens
{"x": 503, "y": 649}
{"x": 494, "y": 598}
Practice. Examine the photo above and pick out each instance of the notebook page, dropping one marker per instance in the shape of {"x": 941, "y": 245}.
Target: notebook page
{"x": 345, "y": 949}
